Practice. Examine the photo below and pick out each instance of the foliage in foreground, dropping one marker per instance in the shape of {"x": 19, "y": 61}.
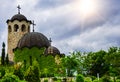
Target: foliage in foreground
{"x": 104, "y": 63}
{"x": 11, "y": 78}
{"x": 32, "y": 74}
{"x": 79, "y": 78}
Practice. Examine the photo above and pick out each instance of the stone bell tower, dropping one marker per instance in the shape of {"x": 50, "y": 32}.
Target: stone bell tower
{"x": 18, "y": 25}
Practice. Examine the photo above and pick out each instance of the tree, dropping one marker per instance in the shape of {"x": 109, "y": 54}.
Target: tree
{"x": 98, "y": 64}
{"x": 3, "y": 54}
{"x": 70, "y": 64}
{"x": 7, "y": 60}
{"x": 47, "y": 65}
{"x": 24, "y": 55}
{"x": 113, "y": 59}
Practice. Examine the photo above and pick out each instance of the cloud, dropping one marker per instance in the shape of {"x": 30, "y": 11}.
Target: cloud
{"x": 60, "y": 20}
{"x": 48, "y": 4}
{"x": 93, "y": 40}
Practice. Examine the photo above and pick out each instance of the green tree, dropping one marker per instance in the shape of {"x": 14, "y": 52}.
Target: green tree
{"x": 98, "y": 64}
{"x": 23, "y": 55}
{"x": 3, "y": 54}
{"x": 47, "y": 65}
{"x": 7, "y": 60}
{"x": 113, "y": 59}
{"x": 70, "y": 64}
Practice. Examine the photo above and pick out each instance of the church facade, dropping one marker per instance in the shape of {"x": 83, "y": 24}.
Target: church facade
{"x": 19, "y": 36}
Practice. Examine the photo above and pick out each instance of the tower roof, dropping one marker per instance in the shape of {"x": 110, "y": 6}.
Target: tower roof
{"x": 19, "y": 17}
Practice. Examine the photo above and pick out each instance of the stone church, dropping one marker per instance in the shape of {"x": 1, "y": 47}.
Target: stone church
{"x": 19, "y": 36}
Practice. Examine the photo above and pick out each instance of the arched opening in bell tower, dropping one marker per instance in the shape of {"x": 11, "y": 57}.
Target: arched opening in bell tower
{"x": 23, "y": 28}
{"x": 16, "y": 27}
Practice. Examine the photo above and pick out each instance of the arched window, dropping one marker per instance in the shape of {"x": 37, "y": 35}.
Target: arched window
{"x": 9, "y": 29}
{"x": 23, "y": 28}
{"x": 16, "y": 27}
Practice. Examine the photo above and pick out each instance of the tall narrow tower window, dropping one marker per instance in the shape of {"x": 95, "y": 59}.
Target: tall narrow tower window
{"x": 16, "y": 28}
{"x": 9, "y": 29}
{"x": 23, "y": 28}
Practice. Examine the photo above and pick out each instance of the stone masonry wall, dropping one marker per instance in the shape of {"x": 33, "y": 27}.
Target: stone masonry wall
{"x": 14, "y": 37}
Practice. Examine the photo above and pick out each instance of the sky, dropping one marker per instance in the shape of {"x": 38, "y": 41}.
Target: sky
{"x": 62, "y": 21}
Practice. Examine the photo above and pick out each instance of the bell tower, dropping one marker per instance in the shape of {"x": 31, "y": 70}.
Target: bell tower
{"x": 18, "y": 25}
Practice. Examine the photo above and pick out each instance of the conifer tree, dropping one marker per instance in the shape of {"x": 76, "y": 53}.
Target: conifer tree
{"x": 3, "y": 54}
{"x": 7, "y": 59}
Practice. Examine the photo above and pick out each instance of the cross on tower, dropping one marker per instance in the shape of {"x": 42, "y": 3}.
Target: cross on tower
{"x": 50, "y": 40}
{"x": 18, "y": 9}
{"x": 33, "y": 25}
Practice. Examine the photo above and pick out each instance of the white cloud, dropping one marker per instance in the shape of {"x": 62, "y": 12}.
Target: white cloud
{"x": 91, "y": 40}
{"x": 60, "y": 20}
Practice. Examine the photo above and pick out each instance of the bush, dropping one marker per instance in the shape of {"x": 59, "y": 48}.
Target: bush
{"x": 118, "y": 77}
{"x": 10, "y": 78}
{"x": 32, "y": 74}
{"x": 42, "y": 75}
{"x": 88, "y": 79}
{"x": 79, "y": 78}
{"x": 46, "y": 80}
{"x": 96, "y": 80}
{"x": 58, "y": 80}
{"x": 93, "y": 77}
{"x": 118, "y": 80}
{"x": 2, "y": 72}
{"x": 105, "y": 79}
{"x": 19, "y": 73}
{"x": 54, "y": 79}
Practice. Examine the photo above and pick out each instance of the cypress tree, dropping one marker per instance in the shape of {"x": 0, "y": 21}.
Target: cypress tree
{"x": 3, "y": 54}
{"x": 7, "y": 59}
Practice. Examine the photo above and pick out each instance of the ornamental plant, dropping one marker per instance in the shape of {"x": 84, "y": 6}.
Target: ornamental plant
{"x": 79, "y": 78}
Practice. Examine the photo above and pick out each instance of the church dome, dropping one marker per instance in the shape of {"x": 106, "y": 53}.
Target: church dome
{"x": 52, "y": 50}
{"x": 19, "y": 17}
{"x": 33, "y": 39}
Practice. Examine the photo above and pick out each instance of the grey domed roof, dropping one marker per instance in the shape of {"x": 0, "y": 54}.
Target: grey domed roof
{"x": 19, "y": 17}
{"x": 52, "y": 50}
{"x": 33, "y": 39}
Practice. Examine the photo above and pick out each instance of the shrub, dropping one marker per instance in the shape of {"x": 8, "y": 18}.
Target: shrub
{"x": 10, "y": 78}
{"x": 93, "y": 77}
{"x": 96, "y": 80}
{"x": 79, "y": 78}
{"x": 36, "y": 72}
{"x": 54, "y": 79}
{"x": 42, "y": 75}
{"x": 2, "y": 72}
{"x": 105, "y": 79}
{"x": 88, "y": 79}
{"x": 118, "y": 77}
{"x": 58, "y": 80}
{"x": 118, "y": 80}
{"x": 19, "y": 73}
{"x": 46, "y": 80}
{"x": 32, "y": 74}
